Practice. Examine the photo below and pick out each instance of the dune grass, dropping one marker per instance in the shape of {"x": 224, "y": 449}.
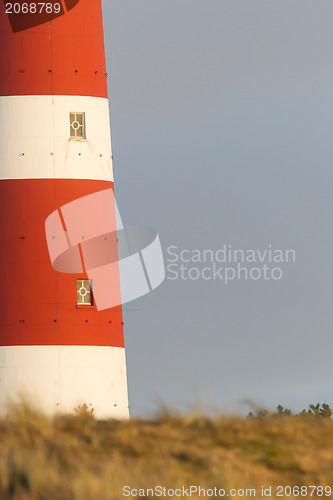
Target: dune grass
{"x": 78, "y": 457}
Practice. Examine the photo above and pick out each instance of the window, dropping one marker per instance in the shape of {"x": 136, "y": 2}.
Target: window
{"x": 77, "y": 125}
{"x": 84, "y": 293}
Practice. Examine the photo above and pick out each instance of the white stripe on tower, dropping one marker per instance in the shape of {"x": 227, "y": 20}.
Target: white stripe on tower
{"x": 41, "y": 147}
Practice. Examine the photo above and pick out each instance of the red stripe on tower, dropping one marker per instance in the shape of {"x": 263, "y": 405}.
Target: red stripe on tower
{"x": 55, "y": 148}
{"x": 61, "y": 56}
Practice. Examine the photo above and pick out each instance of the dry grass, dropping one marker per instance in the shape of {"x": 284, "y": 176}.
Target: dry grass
{"x": 81, "y": 458}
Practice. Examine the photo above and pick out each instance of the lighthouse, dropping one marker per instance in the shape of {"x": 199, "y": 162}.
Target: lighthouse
{"x": 58, "y": 348}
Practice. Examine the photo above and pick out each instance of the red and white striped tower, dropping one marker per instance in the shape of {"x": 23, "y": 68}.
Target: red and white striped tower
{"x": 55, "y": 147}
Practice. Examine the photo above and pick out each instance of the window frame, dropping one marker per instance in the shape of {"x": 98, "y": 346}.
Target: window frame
{"x": 82, "y": 126}
{"x": 90, "y": 292}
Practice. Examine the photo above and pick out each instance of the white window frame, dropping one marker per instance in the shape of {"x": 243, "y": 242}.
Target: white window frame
{"x": 81, "y": 284}
{"x": 74, "y": 131}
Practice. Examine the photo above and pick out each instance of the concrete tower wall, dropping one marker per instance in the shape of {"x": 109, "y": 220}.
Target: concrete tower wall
{"x": 53, "y": 350}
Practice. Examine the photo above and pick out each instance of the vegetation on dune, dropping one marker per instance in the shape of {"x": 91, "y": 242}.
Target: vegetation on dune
{"x": 78, "y": 457}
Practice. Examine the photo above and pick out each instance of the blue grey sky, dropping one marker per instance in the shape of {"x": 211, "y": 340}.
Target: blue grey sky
{"x": 221, "y": 119}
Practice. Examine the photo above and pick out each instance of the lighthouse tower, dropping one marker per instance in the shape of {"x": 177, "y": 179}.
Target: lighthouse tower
{"x": 57, "y": 347}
